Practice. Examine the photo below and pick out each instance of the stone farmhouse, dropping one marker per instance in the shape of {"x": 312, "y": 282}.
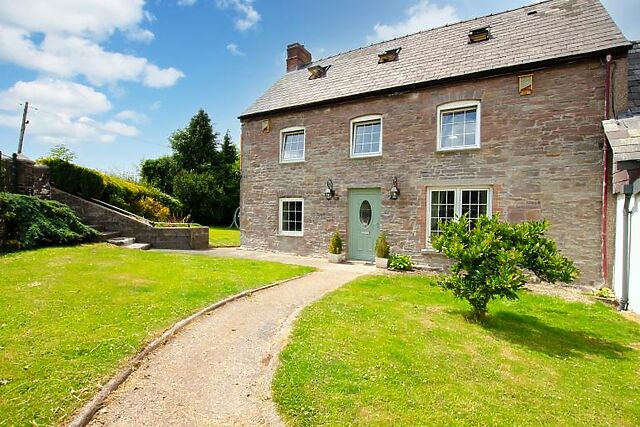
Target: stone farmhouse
{"x": 499, "y": 114}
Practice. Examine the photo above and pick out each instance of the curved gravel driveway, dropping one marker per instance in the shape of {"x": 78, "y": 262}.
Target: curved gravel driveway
{"x": 218, "y": 371}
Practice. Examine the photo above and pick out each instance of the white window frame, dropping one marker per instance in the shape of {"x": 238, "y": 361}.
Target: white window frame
{"x": 457, "y": 202}
{"x": 281, "y": 232}
{"x": 359, "y": 121}
{"x": 451, "y": 107}
{"x": 293, "y": 129}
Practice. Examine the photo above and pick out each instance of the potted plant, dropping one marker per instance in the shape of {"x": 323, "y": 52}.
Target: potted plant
{"x": 382, "y": 251}
{"x": 335, "y": 249}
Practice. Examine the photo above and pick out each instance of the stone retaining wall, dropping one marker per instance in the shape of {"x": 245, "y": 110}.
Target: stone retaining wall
{"x": 196, "y": 237}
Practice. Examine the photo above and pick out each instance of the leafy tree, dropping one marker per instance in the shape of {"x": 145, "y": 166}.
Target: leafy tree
{"x": 228, "y": 152}
{"x": 202, "y": 173}
{"x": 159, "y": 173}
{"x": 491, "y": 257}
{"x": 62, "y": 152}
{"x": 195, "y": 147}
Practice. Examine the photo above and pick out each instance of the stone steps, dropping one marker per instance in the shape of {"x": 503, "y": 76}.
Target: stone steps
{"x": 139, "y": 246}
{"x": 128, "y": 243}
{"x": 122, "y": 241}
{"x": 107, "y": 235}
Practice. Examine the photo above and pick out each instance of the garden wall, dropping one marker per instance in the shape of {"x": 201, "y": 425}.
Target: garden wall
{"x": 193, "y": 237}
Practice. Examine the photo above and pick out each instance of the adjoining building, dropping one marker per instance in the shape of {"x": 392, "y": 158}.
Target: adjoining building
{"x": 499, "y": 114}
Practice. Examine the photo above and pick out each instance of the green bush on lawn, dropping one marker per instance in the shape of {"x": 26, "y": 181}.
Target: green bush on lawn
{"x": 27, "y": 222}
{"x": 148, "y": 202}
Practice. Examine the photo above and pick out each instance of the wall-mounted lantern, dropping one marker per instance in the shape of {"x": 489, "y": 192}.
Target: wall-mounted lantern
{"x": 329, "y": 193}
{"x": 394, "y": 193}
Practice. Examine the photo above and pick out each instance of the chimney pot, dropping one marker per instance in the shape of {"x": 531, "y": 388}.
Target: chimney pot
{"x": 297, "y": 57}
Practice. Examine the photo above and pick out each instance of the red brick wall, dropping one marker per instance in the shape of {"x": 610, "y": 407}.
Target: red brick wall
{"x": 541, "y": 154}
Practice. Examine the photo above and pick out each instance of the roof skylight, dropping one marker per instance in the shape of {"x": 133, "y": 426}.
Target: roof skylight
{"x": 389, "y": 55}
{"x": 479, "y": 35}
{"x": 317, "y": 71}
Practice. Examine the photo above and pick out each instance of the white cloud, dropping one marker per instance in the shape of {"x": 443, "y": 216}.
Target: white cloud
{"x": 69, "y": 37}
{"x": 186, "y": 2}
{"x": 59, "y": 96}
{"x": 141, "y": 35}
{"x": 69, "y": 56}
{"x": 160, "y": 77}
{"x": 61, "y": 112}
{"x": 88, "y": 18}
{"x": 132, "y": 116}
{"x": 234, "y": 49}
{"x": 421, "y": 16}
{"x": 155, "y": 106}
{"x": 248, "y": 18}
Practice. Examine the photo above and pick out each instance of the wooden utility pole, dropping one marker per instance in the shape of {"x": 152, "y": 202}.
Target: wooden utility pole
{"x": 25, "y": 122}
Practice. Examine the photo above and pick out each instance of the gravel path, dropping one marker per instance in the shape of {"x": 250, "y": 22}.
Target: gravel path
{"x": 218, "y": 371}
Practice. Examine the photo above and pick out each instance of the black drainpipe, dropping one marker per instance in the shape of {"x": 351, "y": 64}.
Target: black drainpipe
{"x": 626, "y": 236}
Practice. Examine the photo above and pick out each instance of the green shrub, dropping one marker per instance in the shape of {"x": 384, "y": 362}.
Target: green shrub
{"x": 491, "y": 256}
{"x": 140, "y": 200}
{"x": 382, "y": 247}
{"x": 151, "y": 208}
{"x": 27, "y": 222}
{"x": 335, "y": 244}
{"x": 605, "y": 293}
{"x": 399, "y": 262}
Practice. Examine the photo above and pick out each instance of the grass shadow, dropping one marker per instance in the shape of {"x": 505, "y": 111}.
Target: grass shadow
{"x": 532, "y": 333}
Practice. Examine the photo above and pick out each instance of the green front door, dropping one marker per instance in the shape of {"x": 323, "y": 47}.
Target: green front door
{"x": 364, "y": 223}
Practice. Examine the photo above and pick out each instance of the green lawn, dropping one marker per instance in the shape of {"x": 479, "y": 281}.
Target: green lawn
{"x": 70, "y": 316}
{"x": 224, "y": 237}
{"x": 397, "y": 351}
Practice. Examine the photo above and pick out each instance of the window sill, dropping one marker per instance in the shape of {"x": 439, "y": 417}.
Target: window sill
{"x": 456, "y": 149}
{"x": 286, "y": 162}
{"x": 365, "y": 156}
{"x": 290, "y": 235}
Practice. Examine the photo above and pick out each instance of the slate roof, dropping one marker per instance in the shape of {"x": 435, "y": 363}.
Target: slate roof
{"x": 634, "y": 79}
{"x": 624, "y": 138}
{"x": 559, "y": 29}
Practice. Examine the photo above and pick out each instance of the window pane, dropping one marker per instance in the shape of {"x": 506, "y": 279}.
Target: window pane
{"x": 474, "y": 203}
{"x": 366, "y": 138}
{"x": 442, "y": 208}
{"x": 293, "y": 146}
{"x": 458, "y": 128}
{"x": 291, "y": 216}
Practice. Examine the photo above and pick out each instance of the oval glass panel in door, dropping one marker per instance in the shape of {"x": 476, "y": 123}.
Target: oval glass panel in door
{"x": 365, "y": 213}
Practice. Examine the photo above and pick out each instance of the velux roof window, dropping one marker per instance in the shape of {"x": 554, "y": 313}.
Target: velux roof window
{"x": 479, "y": 35}
{"x": 317, "y": 71}
{"x": 389, "y": 55}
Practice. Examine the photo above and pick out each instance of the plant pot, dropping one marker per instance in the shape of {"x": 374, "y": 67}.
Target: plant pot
{"x": 382, "y": 262}
{"x": 336, "y": 258}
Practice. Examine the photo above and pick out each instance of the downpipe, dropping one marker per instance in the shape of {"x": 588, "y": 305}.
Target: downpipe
{"x": 605, "y": 172}
{"x": 626, "y": 238}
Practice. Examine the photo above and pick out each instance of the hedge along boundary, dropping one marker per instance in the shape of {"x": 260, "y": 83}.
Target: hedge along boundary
{"x": 147, "y": 202}
{"x": 84, "y": 415}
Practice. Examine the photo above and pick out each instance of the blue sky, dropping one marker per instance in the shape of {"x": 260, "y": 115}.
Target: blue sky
{"x": 112, "y": 80}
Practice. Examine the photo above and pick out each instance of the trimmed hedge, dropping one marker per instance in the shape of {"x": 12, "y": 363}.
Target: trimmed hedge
{"x": 28, "y": 222}
{"x": 148, "y": 202}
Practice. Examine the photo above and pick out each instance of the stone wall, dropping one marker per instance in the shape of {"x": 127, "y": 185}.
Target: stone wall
{"x": 159, "y": 237}
{"x": 22, "y": 175}
{"x": 541, "y": 154}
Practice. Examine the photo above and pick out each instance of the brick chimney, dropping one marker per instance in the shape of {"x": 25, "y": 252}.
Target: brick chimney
{"x": 297, "y": 57}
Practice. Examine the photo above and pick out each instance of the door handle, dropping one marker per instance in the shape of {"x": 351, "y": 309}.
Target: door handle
{"x": 366, "y": 232}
